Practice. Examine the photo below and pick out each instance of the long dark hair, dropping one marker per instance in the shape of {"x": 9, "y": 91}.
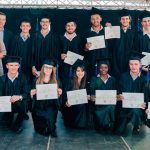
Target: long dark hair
{"x": 82, "y": 85}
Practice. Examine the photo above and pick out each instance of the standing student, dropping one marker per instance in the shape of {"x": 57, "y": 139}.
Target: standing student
{"x": 15, "y": 85}
{"x": 96, "y": 30}
{"x": 104, "y": 115}
{"x": 45, "y": 44}
{"x": 44, "y": 112}
{"x": 76, "y": 116}
{"x": 133, "y": 82}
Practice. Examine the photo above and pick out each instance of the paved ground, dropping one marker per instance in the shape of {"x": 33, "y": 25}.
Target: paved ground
{"x": 70, "y": 139}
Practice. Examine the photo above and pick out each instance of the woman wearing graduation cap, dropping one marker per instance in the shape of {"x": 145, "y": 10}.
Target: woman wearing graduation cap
{"x": 104, "y": 115}
{"x": 15, "y": 85}
{"x": 44, "y": 112}
{"x": 133, "y": 82}
{"x": 76, "y": 116}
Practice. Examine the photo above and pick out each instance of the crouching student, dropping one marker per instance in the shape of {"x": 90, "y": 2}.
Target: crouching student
{"x": 15, "y": 85}
{"x": 44, "y": 112}
{"x": 131, "y": 82}
{"x": 104, "y": 115}
{"x": 76, "y": 116}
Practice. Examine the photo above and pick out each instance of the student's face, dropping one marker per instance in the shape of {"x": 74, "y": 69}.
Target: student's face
{"x": 12, "y": 67}
{"x": 103, "y": 68}
{"x": 45, "y": 23}
{"x": 48, "y": 69}
{"x": 2, "y": 21}
{"x": 70, "y": 27}
{"x": 134, "y": 66}
{"x": 125, "y": 21}
{"x": 96, "y": 20}
{"x": 80, "y": 73}
{"x": 25, "y": 27}
{"x": 146, "y": 23}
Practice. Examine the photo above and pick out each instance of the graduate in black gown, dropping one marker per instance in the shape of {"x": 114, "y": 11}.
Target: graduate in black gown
{"x": 104, "y": 115}
{"x": 22, "y": 47}
{"x": 142, "y": 43}
{"x": 45, "y": 44}
{"x": 76, "y": 116}
{"x": 96, "y": 30}
{"x": 6, "y": 37}
{"x": 15, "y": 85}
{"x": 44, "y": 112}
{"x": 133, "y": 82}
{"x": 120, "y": 48}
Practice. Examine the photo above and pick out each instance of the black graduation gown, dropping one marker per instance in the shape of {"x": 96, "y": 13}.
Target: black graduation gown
{"x": 47, "y": 46}
{"x": 142, "y": 42}
{"x": 92, "y": 56}
{"x": 132, "y": 115}
{"x": 44, "y": 115}
{"x": 104, "y": 115}
{"x": 74, "y": 46}
{"x": 23, "y": 49}
{"x": 18, "y": 87}
{"x": 120, "y": 51}
{"x": 75, "y": 116}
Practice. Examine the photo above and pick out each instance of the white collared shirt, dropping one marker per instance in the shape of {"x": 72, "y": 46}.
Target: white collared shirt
{"x": 136, "y": 76}
{"x": 144, "y": 32}
{"x": 23, "y": 37}
{"x": 12, "y": 79}
{"x": 2, "y": 34}
{"x": 70, "y": 37}
{"x": 105, "y": 81}
{"x": 96, "y": 31}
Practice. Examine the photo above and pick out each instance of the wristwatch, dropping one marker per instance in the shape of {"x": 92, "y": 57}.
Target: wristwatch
{"x": 21, "y": 97}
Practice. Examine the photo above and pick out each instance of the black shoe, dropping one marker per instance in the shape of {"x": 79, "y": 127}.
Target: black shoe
{"x": 53, "y": 134}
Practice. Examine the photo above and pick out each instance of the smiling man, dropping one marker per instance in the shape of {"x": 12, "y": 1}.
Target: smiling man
{"x": 15, "y": 85}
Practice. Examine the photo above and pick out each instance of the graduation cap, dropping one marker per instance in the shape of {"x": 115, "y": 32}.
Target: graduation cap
{"x": 46, "y": 16}
{"x": 13, "y": 59}
{"x": 145, "y": 14}
{"x": 95, "y": 11}
{"x": 134, "y": 55}
{"x": 103, "y": 61}
{"x": 70, "y": 19}
{"x": 25, "y": 19}
{"x": 124, "y": 12}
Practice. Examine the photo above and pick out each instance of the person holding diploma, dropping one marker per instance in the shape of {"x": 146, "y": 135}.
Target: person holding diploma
{"x": 76, "y": 116}
{"x": 132, "y": 82}
{"x": 15, "y": 85}
{"x": 104, "y": 115}
{"x": 44, "y": 112}
{"x": 96, "y": 30}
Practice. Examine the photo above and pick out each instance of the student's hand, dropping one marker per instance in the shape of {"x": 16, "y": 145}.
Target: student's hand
{"x": 63, "y": 56}
{"x": 120, "y": 97}
{"x": 32, "y": 92}
{"x": 2, "y": 55}
{"x": 88, "y": 97}
{"x": 34, "y": 71}
{"x": 93, "y": 97}
{"x": 88, "y": 45}
{"x": 14, "y": 98}
{"x": 108, "y": 24}
{"x": 147, "y": 111}
{"x": 144, "y": 68}
{"x": 67, "y": 104}
{"x": 143, "y": 105}
{"x": 59, "y": 92}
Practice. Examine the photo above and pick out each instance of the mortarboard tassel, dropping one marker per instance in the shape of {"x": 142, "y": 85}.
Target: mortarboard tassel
{"x": 57, "y": 72}
{"x": 37, "y": 25}
{"x": 138, "y": 25}
{"x": 148, "y": 74}
{"x": 96, "y": 70}
{"x": 70, "y": 72}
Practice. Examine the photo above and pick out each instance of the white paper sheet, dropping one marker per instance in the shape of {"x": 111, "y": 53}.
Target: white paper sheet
{"x": 46, "y": 91}
{"x": 133, "y": 100}
{"x": 5, "y": 104}
{"x": 77, "y": 97}
{"x": 146, "y": 59}
{"x": 112, "y": 32}
{"x": 105, "y": 97}
{"x": 97, "y": 42}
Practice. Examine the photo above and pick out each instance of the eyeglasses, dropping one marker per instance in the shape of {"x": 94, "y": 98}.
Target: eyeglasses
{"x": 47, "y": 67}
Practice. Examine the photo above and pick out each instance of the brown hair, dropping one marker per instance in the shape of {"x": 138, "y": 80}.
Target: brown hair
{"x": 1, "y": 13}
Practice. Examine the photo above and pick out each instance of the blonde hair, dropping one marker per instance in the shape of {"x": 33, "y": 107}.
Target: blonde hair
{"x": 52, "y": 79}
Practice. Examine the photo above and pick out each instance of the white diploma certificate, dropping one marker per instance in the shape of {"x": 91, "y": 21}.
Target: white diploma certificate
{"x": 46, "y": 91}
{"x": 112, "y": 32}
{"x": 105, "y": 97}
{"x": 146, "y": 59}
{"x": 148, "y": 116}
{"x": 72, "y": 58}
{"x": 97, "y": 42}
{"x": 77, "y": 97}
{"x": 5, "y": 104}
{"x": 132, "y": 100}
